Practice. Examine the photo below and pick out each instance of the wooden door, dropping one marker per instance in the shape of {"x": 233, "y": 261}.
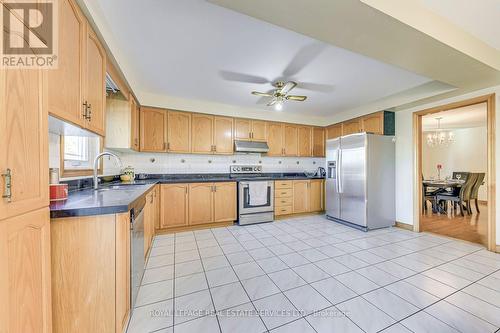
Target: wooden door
{"x": 225, "y": 201}
{"x": 95, "y": 86}
{"x": 334, "y": 131}
{"x": 318, "y": 143}
{"x": 258, "y": 130}
{"x": 65, "y": 84}
{"x": 275, "y": 139}
{"x": 134, "y": 124}
{"x": 153, "y": 130}
{"x": 201, "y": 201}
{"x": 223, "y": 135}
{"x": 202, "y": 129}
{"x": 290, "y": 140}
{"x": 179, "y": 132}
{"x": 25, "y": 274}
{"x": 351, "y": 126}
{"x": 305, "y": 141}
{"x": 173, "y": 205}
{"x": 316, "y": 195}
{"x": 300, "y": 196}
{"x": 373, "y": 123}
{"x": 122, "y": 269}
{"x": 242, "y": 129}
{"x": 23, "y": 141}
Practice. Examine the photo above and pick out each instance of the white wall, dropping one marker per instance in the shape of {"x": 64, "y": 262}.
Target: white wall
{"x": 406, "y": 203}
{"x": 468, "y": 153}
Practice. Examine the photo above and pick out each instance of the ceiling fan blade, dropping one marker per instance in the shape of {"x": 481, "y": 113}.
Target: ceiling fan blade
{"x": 296, "y": 98}
{"x": 272, "y": 102}
{"x": 305, "y": 56}
{"x": 320, "y": 87}
{"x": 241, "y": 77}
{"x": 257, "y": 93}
{"x": 287, "y": 87}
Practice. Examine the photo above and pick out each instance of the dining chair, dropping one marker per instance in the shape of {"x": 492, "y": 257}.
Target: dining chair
{"x": 428, "y": 194}
{"x": 463, "y": 196}
{"x": 475, "y": 190}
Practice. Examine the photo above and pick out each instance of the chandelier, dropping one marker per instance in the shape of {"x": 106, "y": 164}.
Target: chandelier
{"x": 440, "y": 137}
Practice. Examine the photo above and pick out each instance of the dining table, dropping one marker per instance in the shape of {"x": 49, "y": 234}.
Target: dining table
{"x": 440, "y": 185}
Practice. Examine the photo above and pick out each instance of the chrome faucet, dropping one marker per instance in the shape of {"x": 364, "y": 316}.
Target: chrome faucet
{"x": 96, "y": 165}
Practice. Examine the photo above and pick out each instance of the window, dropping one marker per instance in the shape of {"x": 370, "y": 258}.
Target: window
{"x": 78, "y": 153}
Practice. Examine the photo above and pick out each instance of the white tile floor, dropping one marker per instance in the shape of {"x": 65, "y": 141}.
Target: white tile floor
{"x": 313, "y": 275}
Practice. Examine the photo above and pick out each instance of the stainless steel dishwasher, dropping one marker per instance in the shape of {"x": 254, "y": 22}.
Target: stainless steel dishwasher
{"x": 136, "y": 248}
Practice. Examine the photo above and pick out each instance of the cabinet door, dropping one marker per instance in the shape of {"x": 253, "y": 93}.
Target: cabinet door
{"x": 179, "y": 132}
{"x": 242, "y": 129}
{"x": 201, "y": 203}
{"x": 23, "y": 142}
{"x": 157, "y": 207}
{"x": 316, "y": 195}
{"x": 65, "y": 84}
{"x": 275, "y": 139}
{"x": 290, "y": 138}
{"x": 305, "y": 141}
{"x": 223, "y": 135}
{"x": 225, "y": 201}
{"x": 318, "y": 142}
{"x": 334, "y": 131}
{"x": 258, "y": 130}
{"x": 25, "y": 274}
{"x": 173, "y": 205}
{"x": 300, "y": 196}
{"x": 351, "y": 127}
{"x": 153, "y": 131}
{"x": 201, "y": 133}
{"x": 122, "y": 271}
{"x": 148, "y": 223}
{"x": 95, "y": 87}
{"x": 373, "y": 123}
{"x": 134, "y": 124}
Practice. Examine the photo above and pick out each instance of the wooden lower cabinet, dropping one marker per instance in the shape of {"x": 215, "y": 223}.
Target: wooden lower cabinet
{"x": 173, "y": 205}
{"x": 201, "y": 203}
{"x": 25, "y": 276}
{"x": 225, "y": 202}
{"x": 90, "y": 273}
{"x": 316, "y": 195}
{"x": 150, "y": 217}
{"x": 298, "y": 196}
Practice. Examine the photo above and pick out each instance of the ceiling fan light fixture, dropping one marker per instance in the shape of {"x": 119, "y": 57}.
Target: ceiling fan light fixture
{"x": 278, "y": 106}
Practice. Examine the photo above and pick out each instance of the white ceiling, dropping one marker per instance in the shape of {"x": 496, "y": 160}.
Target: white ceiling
{"x": 465, "y": 117}
{"x": 192, "y": 49}
{"x": 480, "y": 18}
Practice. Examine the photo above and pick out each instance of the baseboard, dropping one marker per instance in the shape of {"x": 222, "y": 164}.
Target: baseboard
{"x": 497, "y": 250}
{"x": 405, "y": 226}
{"x": 193, "y": 227}
{"x": 282, "y": 217}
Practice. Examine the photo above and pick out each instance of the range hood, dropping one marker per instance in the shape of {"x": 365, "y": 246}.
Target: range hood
{"x": 250, "y": 147}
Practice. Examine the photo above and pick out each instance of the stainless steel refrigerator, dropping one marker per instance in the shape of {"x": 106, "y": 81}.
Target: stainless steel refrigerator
{"x": 360, "y": 180}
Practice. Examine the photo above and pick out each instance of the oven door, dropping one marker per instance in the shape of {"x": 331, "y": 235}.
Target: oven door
{"x": 244, "y": 200}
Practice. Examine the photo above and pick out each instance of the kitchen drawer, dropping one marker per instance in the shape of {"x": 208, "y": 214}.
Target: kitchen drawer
{"x": 283, "y": 193}
{"x": 280, "y": 202}
{"x": 280, "y": 184}
{"x": 285, "y": 210}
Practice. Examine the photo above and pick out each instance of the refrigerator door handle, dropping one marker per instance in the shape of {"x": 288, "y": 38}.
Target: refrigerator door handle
{"x": 339, "y": 171}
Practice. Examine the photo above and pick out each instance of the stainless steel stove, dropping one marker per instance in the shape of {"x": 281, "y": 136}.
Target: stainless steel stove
{"x": 249, "y": 213}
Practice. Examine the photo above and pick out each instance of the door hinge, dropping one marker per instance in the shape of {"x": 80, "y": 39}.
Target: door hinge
{"x": 7, "y": 185}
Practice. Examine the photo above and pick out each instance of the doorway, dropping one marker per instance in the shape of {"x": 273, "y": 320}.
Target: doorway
{"x": 446, "y": 204}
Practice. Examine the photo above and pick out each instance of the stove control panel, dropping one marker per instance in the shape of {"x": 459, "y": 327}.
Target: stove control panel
{"x": 236, "y": 168}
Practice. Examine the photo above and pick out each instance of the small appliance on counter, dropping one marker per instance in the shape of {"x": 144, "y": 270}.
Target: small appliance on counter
{"x": 255, "y": 196}
{"x": 57, "y": 191}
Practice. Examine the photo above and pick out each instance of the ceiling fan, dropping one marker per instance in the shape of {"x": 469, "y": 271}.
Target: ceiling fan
{"x": 280, "y": 94}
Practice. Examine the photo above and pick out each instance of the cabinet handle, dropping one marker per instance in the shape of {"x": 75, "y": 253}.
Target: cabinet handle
{"x": 215, "y": 148}
{"x": 168, "y": 145}
{"x": 215, "y": 188}
{"x": 89, "y": 114}
{"x": 186, "y": 190}
{"x": 7, "y": 176}
{"x": 85, "y": 109}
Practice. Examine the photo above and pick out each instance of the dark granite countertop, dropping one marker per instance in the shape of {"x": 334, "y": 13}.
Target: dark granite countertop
{"x": 116, "y": 197}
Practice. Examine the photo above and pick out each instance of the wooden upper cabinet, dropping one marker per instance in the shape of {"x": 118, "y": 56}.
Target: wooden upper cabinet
{"x": 351, "y": 127}
{"x": 223, "y": 135}
{"x": 174, "y": 205}
{"x": 242, "y": 129}
{"x": 316, "y": 195}
{"x": 225, "y": 201}
{"x": 305, "y": 141}
{"x": 318, "y": 142}
{"x": 134, "y": 124}
{"x": 275, "y": 139}
{"x": 334, "y": 131}
{"x": 95, "y": 86}
{"x": 23, "y": 141}
{"x": 153, "y": 125}
{"x": 258, "y": 132}
{"x": 373, "y": 123}
{"x": 179, "y": 132}
{"x": 300, "y": 196}
{"x": 25, "y": 277}
{"x": 201, "y": 203}
{"x": 65, "y": 84}
{"x": 290, "y": 140}
{"x": 202, "y": 131}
